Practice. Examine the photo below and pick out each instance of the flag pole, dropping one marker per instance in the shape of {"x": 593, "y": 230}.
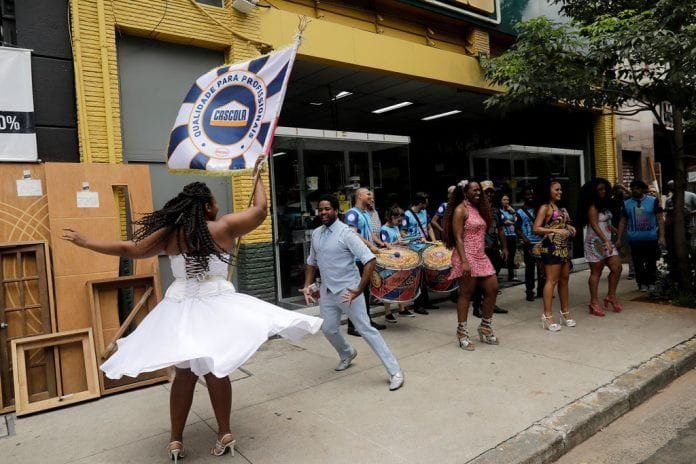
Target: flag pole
{"x": 302, "y": 25}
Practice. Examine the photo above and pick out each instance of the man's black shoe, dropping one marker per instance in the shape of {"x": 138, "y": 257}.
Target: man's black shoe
{"x": 353, "y": 332}
{"x": 477, "y": 312}
{"x": 421, "y": 311}
{"x": 530, "y": 297}
{"x": 498, "y": 310}
{"x": 377, "y": 325}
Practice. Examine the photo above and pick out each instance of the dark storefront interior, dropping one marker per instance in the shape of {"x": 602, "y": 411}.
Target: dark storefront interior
{"x": 334, "y": 98}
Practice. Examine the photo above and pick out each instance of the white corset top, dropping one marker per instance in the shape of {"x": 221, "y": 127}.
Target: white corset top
{"x": 207, "y": 284}
{"x": 216, "y": 267}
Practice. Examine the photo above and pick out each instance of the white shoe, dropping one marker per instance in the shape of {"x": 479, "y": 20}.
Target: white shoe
{"x": 567, "y": 321}
{"x": 345, "y": 363}
{"x": 548, "y": 324}
{"x": 396, "y": 381}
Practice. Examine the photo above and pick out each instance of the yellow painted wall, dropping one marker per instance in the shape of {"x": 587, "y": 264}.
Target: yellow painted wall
{"x": 605, "y": 147}
{"x": 344, "y": 45}
{"x": 95, "y": 24}
{"x": 242, "y": 187}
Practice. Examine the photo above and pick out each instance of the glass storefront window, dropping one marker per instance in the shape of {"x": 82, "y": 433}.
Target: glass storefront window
{"x": 301, "y": 174}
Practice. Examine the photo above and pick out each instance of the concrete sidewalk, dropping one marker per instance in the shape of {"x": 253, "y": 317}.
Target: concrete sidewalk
{"x": 526, "y": 400}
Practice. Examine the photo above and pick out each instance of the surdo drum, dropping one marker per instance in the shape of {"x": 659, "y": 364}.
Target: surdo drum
{"x": 397, "y": 275}
{"x": 437, "y": 264}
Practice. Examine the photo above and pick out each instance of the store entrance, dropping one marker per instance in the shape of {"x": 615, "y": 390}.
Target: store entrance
{"x": 305, "y": 167}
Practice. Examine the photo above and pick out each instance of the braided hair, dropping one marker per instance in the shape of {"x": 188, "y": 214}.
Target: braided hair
{"x": 185, "y": 217}
{"x": 458, "y": 195}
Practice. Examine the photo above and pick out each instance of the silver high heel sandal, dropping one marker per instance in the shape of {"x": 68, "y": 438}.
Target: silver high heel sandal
{"x": 221, "y": 447}
{"x": 548, "y": 324}
{"x": 176, "y": 451}
{"x": 566, "y": 321}
{"x": 485, "y": 331}
{"x": 463, "y": 339}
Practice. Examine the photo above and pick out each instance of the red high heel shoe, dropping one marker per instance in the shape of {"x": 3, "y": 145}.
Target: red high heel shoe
{"x": 615, "y": 304}
{"x": 595, "y": 310}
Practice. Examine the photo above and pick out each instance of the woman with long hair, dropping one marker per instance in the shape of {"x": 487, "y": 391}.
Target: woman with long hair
{"x": 553, "y": 224}
{"x": 202, "y": 326}
{"x": 594, "y": 212}
{"x": 467, "y": 217}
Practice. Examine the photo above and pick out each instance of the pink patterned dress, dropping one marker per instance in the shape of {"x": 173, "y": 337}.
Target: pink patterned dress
{"x": 474, "y": 247}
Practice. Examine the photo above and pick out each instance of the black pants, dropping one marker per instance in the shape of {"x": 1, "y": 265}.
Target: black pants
{"x": 423, "y": 299}
{"x": 512, "y": 249}
{"x": 531, "y": 263}
{"x": 366, "y": 294}
{"x": 497, "y": 262}
{"x": 645, "y": 254}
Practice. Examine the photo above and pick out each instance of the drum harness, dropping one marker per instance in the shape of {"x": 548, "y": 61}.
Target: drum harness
{"x": 420, "y": 226}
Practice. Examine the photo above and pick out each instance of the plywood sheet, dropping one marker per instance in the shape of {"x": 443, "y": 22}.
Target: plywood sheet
{"x": 22, "y": 219}
{"x": 73, "y": 266}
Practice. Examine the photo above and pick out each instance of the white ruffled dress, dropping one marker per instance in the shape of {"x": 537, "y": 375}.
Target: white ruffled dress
{"x": 205, "y": 325}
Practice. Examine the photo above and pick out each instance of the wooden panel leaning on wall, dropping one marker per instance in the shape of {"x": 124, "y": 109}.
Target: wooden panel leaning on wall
{"x": 80, "y": 341}
{"x": 74, "y": 267}
{"x": 109, "y": 326}
{"x": 24, "y": 220}
{"x": 26, "y": 309}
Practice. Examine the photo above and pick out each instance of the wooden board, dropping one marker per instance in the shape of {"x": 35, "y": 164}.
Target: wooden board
{"x": 22, "y": 219}
{"x": 27, "y": 309}
{"x": 108, "y": 325}
{"x": 73, "y": 266}
{"x": 57, "y": 341}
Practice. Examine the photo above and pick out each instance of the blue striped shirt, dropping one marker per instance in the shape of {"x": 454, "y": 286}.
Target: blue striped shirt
{"x": 334, "y": 251}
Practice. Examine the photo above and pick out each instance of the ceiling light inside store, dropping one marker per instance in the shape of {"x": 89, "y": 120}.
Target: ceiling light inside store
{"x": 392, "y": 107}
{"x": 342, "y": 94}
{"x": 316, "y": 103}
{"x": 441, "y": 115}
{"x": 280, "y": 153}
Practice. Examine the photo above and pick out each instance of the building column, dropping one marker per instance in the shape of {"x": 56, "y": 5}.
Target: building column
{"x": 255, "y": 262}
{"x": 604, "y": 131}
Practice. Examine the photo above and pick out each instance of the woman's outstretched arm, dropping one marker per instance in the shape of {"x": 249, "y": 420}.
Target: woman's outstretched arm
{"x": 151, "y": 245}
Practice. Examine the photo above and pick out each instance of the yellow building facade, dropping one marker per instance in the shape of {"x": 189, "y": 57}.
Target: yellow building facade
{"x": 400, "y": 39}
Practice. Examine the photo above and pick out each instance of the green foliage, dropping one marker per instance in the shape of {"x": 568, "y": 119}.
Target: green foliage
{"x": 614, "y": 54}
{"x": 669, "y": 286}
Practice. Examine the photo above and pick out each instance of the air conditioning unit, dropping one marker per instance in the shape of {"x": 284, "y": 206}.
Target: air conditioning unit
{"x": 244, "y": 6}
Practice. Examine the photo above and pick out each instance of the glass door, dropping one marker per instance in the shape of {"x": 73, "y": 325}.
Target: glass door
{"x": 300, "y": 177}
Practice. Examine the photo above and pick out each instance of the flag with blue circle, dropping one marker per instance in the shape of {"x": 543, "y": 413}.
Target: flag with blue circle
{"x": 230, "y": 114}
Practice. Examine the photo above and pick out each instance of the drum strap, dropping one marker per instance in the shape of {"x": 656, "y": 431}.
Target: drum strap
{"x": 425, "y": 235}
{"x": 526, "y": 213}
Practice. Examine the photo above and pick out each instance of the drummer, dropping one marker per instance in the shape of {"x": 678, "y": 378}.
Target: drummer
{"x": 416, "y": 229}
{"x": 358, "y": 219}
{"x": 390, "y": 233}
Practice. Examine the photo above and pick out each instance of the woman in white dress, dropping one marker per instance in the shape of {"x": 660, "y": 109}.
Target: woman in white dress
{"x": 600, "y": 250}
{"x": 202, "y": 326}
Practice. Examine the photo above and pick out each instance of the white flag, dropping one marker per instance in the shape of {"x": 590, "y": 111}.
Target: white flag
{"x": 17, "y": 133}
{"x": 230, "y": 115}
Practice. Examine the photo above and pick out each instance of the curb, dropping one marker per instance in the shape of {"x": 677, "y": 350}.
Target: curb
{"x": 553, "y": 436}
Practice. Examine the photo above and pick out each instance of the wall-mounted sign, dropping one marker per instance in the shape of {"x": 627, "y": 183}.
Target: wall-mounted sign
{"x": 17, "y": 134}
